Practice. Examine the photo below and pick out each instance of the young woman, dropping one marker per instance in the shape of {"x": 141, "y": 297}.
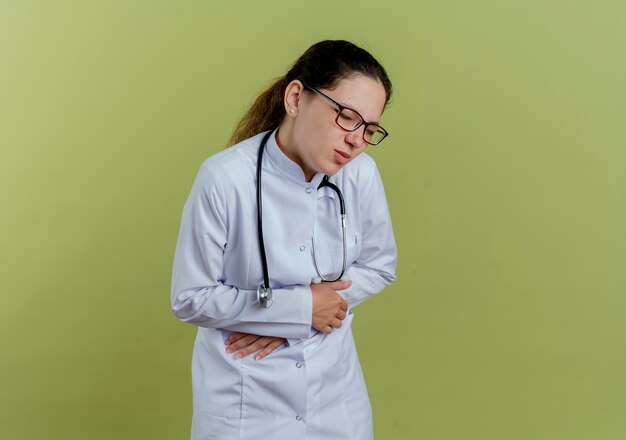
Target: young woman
{"x": 269, "y": 269}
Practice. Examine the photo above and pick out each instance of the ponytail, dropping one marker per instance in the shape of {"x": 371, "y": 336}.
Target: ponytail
{"x": 265, "y": 113}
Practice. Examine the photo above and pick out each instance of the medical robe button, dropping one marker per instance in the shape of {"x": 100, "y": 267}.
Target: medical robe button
{"x": 308, "y": 190}
{"x": 302, "y": 248}
{"x": 298, "y": 365}
{"x": 298, "y": 418}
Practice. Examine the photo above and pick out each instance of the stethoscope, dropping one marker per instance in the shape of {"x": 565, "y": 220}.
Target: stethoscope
{"x": 264, "y": 291}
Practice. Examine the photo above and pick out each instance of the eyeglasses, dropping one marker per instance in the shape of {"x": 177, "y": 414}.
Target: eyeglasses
{"x": 350, "y": 120}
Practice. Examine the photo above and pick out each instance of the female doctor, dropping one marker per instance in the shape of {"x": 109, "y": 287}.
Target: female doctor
{"x": 269, "y": 268}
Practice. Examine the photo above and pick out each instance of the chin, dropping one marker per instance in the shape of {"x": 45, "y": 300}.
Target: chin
{"x": 331, "y": 170}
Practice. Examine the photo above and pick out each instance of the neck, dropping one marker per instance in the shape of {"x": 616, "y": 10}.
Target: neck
{"x": 285, "y": 142}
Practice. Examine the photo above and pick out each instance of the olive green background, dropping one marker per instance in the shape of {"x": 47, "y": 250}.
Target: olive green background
{"x": 505, "y": 172}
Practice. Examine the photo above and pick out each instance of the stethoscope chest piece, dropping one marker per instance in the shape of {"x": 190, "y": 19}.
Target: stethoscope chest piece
{"x": 265, "y": 296}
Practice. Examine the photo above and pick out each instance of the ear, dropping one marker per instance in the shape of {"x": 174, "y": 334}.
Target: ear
{"x": 293, "y": 97}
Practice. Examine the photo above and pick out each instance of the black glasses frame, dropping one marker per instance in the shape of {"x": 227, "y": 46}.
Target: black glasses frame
{"x": 363, "y": 122}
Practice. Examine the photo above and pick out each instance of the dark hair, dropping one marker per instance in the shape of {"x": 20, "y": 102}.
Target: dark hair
{"x": 323, "y": 65}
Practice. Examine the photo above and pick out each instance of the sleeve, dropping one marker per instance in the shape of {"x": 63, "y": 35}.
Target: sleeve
{"x": 375, "y": 266}
{"x": 198, "y": 294}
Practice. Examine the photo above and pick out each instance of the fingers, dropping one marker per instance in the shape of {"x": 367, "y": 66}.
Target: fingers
{"x": 339, "y": 285}
{"x": 342, "y": 314}
{"x": 249, "y": 344}
{"x": 269, "y": 349}
{"x": 245, "y": 340}
{"x": 253, "y": 347}
{"x": 333, "y": 324}
{"x": 235, "y": 337}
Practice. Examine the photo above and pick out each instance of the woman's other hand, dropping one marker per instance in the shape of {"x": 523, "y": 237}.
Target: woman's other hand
{"x": 244, "y": 344}
{"x": 329, "y": 308}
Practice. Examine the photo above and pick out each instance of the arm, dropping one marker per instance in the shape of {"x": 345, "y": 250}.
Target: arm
{"x": 329, "y": 309}
{"x": 199, "y": 295}
{"x": 375, "y": 266}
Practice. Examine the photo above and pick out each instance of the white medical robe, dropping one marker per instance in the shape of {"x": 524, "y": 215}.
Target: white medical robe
{"x": 311, "y": 388}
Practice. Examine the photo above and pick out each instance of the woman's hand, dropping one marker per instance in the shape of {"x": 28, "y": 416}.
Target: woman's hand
{"x": 246, "y": 343}
{"x": 329, "y": 308}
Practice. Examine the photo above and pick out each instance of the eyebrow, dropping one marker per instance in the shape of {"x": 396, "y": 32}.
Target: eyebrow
{"x": 341, "y": 104}
{"x": 353, "y": 109}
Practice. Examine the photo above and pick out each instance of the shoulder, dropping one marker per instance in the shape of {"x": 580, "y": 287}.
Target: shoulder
{"x": 233, "y": 159}
{"x": 360, "y": 181}
{"x": 360, "y": 173}
{"x": 231, "y": 166}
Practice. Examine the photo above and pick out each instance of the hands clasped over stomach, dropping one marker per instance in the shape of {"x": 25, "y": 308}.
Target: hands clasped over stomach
{"x": 329, "y": 310}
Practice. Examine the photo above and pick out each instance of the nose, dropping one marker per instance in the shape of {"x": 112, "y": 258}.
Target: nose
{"x": 355, "y": 138}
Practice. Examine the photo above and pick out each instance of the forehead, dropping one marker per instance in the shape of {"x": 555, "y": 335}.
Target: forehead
{"x": 361, "y": 93}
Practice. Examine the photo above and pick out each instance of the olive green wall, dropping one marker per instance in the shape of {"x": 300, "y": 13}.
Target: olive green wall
{"x": 505, "y": 172}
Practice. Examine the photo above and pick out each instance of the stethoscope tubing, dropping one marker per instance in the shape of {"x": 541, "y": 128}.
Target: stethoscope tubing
{"x": 264, "y": 291}
{"x": 259, "y": 203}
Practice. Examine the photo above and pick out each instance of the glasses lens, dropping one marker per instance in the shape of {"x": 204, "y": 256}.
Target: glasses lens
{"x": 374, "y": 134}
{"x": 349, "y": 119}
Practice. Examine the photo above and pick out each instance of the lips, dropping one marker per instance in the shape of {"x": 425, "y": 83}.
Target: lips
{"x": 341, "y": 157}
